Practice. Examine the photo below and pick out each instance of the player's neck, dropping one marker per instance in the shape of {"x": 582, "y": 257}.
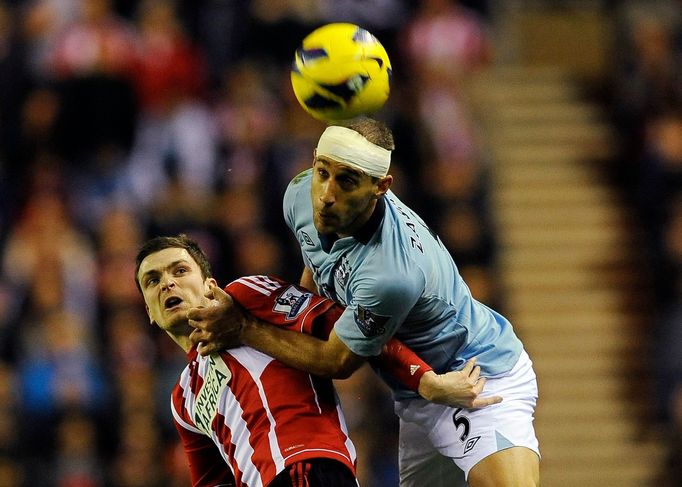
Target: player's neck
{"x": 182, "y": 340}
{"x": 359, "y": 222}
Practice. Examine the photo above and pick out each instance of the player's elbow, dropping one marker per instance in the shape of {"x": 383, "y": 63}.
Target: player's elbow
{"x": 344, "y": 366}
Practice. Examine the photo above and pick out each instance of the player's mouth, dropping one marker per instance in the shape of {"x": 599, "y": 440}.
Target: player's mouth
{"x": 172, "y": 302}
{"x": 326, "y": 217}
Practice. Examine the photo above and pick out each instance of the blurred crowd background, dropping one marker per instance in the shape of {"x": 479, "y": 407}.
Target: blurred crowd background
{"x": 123, "y": 120}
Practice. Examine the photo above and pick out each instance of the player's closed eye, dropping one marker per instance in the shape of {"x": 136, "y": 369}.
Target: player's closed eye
{"x": 347, "y": 182}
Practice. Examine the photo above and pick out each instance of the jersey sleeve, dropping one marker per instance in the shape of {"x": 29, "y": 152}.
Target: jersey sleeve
{"x": 207, "y": 467}
{"x": 285, "y": 305}
{"x": 295, "y": 308}
{"x": 381, "y": 302}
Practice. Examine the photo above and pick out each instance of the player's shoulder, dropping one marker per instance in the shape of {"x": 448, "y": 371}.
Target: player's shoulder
{"x": 255, "y": 284}
{"x": 385, "y": 281}
{"x": 299, "y": 181}
{"x": 297, "y": 195}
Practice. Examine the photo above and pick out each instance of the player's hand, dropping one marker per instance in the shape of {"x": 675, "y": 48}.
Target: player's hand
{"x": 460, "y": 388}
{"x": 218, "y": 326}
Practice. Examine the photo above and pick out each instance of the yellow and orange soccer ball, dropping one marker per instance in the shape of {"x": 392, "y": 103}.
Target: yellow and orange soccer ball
{"x": 341, "y": 71}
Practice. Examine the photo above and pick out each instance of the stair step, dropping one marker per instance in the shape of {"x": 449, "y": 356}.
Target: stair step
{"x": 560, "y": 174}
{"x": 586, "y": 195}
{"x": 584, "y": 431}
{"x": 542, "y": 216}
{"x": 526, "y": 91}
{"x": 546, "y": 152}
{"x": 637, "y": 474}
{"x": 611, "y": 452}
{"x": 566, "y": 235}
{"x": 547, "y": 112}
{"x": 568, "y": 266}
{"x": 577, "y": 366}
{"x": 569, "y": 278}
{"x": 572, "y": 344}
{"x": 576, "y": 256}
{"x": 563, "y": 132}
{"x": 579, "y": 321}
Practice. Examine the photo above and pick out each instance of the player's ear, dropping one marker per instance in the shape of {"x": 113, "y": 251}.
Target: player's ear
{"x": 384, "y": 185}
{"x": 209, "y": 284}
{"x": 149, "y": 315}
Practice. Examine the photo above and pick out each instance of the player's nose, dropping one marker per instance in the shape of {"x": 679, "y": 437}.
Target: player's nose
{"x": 328, "y": 193}
{"x": 167, "y": 283}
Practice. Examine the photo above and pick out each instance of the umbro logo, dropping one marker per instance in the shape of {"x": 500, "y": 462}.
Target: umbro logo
{"x": 470, "y": 444}
{"x": 306, "y": 240}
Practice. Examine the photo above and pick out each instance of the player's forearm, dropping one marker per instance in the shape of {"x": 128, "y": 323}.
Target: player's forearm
{"x": 402, "y": 363}
{"x": 300, "y": 351}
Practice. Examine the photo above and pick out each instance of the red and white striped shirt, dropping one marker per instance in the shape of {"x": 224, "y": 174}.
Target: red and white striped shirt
{"x": 260, "y": 414}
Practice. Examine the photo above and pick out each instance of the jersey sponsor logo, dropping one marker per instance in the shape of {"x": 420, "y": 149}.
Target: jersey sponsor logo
{"x": 370, "y": 324}
{"x": 292, "y": 302}
{"x": 216, "y": 379}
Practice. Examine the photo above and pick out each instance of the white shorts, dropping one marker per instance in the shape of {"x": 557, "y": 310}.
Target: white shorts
{"x": 433, "y": 436}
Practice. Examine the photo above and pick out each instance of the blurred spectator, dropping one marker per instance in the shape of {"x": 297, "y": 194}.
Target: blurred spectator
{"x": 58, "y": 369}
{"x": 647, "y": 78}
{"x": 168, "y": 67}
{"x": 445, "y": 42}
{"x": 174, "y": 154}
{"x": 92, "y": 61}
{"x": 47, "y": 257}
{"x": 77, "y": 463}
{"x": 14, "y": 84}
{"x": 118, "y": 237}
{"x": 659, "y": 187}
{"x": 137, "y": 462}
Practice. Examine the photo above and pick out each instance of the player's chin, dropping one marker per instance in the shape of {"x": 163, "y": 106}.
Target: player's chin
{"x": 175, "y": 316}
{"x": 325, "y": 225}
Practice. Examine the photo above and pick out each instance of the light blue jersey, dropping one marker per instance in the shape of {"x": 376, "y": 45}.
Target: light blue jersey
{"x": 396, "y": 277}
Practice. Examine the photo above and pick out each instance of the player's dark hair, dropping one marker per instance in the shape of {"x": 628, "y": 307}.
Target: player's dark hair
{"x": 375, "y": 131}
{"x": 181, "y": 241}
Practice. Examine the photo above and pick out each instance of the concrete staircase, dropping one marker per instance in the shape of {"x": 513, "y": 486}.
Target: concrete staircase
{"x": 568, "y": 264}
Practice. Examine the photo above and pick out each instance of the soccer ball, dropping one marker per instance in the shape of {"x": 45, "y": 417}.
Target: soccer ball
{"x": 341, "y": 71}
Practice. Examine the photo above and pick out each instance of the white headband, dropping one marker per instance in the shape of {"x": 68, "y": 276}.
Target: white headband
{"x": 349, "y": 147}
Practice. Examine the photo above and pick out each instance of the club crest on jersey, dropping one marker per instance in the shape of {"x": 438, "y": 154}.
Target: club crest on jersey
{"x": 370, "y": 324}
{"x": 342, "y": 271}
{"x": 292, "y": 302}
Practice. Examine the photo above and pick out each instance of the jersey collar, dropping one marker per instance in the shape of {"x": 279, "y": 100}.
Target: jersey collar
{"x": 368, "y": 229}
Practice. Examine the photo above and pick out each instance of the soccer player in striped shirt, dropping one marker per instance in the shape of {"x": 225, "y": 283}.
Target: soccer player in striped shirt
{"x": 244, "y": 418}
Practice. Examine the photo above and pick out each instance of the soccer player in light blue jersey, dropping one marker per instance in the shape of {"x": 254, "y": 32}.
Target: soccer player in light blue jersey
{"x": 365, "y": 249}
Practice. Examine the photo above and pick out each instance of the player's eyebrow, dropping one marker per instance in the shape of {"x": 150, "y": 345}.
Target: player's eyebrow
{"x": 342, "y": 167}
{"x": 156, "y": 272}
